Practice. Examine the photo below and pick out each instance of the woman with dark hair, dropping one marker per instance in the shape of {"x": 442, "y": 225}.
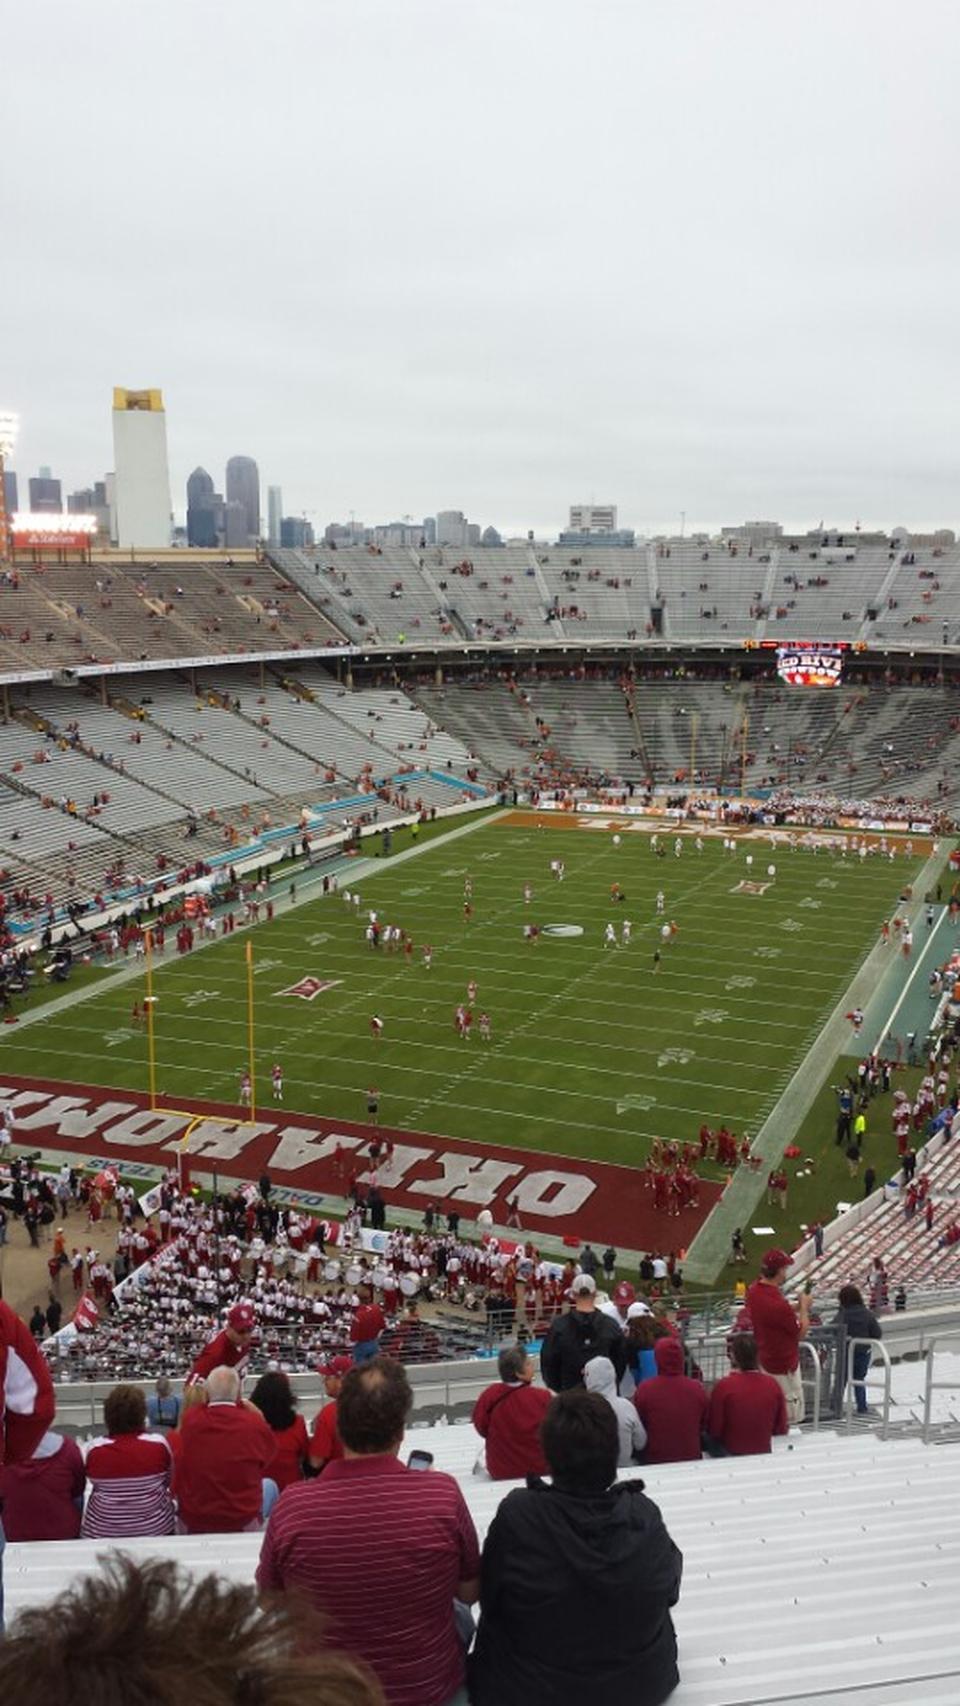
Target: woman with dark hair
{"x": 585, "y": 1553}
{"x": 275, "y": 1399}
{"x": 128, "y": 1473}
{"x": 858, "y": 1322}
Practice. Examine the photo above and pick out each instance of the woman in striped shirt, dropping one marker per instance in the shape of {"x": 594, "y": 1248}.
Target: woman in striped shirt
{"x": 128, "y": 1473}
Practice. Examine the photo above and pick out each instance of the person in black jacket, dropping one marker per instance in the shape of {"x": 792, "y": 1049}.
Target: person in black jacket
{"x": 574, "y": 1338}
{"x": 858, "y": 1322}
{"x": 588, "y": 1553}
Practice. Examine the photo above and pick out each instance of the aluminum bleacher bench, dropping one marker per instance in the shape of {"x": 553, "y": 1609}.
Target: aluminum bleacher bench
{"x": 812, "y": 1577}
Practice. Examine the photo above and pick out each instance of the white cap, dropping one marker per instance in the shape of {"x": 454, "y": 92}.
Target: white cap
{"x": 583, "y": 1286}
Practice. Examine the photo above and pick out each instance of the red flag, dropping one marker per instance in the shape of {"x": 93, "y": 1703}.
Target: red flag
{"x": 86, "y": 1316}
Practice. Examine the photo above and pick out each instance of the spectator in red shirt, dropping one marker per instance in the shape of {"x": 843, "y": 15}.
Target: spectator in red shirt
{"x": 27, "y": 1401}
{"x": 747, "y": 1407}
{"x": 225, "y": 1447}
{"x": 129, "y": 1473}
{"x": 381, "y": 1549}
{"x": 42, "y": 1498}
{"x": 367, "y": 1325}
{"x": 275, "y": 1399}
{"x": 325, "y": 1443}
{"x": 231, "y": 1347}
{"x": 508, "y": 1416}
{"x": 672, "y": 1408}
{"x": 778, "y": 1329}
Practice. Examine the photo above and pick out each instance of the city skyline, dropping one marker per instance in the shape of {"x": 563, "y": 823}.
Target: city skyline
{"x": 698, "y": 264}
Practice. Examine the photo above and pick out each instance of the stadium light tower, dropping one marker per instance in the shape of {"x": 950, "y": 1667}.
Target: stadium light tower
{"x": 9, "y": 427}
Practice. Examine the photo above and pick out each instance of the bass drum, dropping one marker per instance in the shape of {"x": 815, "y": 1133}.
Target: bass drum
{"x": 331, "y": 1270}
{"x": 354, "y": 1275}
{"x": 409, "y": 1284}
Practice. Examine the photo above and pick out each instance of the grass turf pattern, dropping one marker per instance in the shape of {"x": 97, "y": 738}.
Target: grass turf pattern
{"x": 593, "y": 1052}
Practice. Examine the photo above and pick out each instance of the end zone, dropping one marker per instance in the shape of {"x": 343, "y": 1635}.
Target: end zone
{"x": 567, "y": 1197}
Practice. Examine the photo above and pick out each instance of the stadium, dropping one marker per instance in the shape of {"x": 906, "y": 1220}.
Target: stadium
{"x": 348, "y": 789}
{"x": 479, "y": 1006}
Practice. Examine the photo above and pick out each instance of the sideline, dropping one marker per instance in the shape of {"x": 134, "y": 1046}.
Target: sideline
{"x": 707, "y": 1256}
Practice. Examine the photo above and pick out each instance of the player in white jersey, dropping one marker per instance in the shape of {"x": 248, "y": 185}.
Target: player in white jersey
{"x": 677, "y": 847}
{"x": 276, "y": 1078}
{"x": 625, "y": 930}
{"x": 245, "y": 1090}
{"x": 609, "y": 936}
{"x": 661, "y": 900}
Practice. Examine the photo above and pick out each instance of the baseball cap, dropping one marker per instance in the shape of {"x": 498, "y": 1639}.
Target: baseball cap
{"x": 637, "y": 1309}
{"x": 624, "y": 1293}
{"x": 335, "y": 1365}
{"x": 773, "y": 1261}
{"x": 583, "y": 1286}
{"x": 242, "y": 1318}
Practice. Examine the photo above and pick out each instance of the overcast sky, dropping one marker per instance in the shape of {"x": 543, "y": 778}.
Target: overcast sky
{"x": 684, "y": 255}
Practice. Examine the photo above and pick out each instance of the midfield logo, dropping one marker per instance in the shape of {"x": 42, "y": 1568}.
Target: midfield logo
{"x": 310, "y": 987}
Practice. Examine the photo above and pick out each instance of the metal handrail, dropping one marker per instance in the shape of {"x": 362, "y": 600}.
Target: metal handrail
{"x": 931, "y": 1385}
{"x": 812, "y": 1351}
{"x": 877, "y": 1345}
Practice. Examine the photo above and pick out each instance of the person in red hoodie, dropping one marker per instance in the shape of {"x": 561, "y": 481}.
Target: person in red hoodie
{"x": 42, "y": 1498}
{"x": 508, "y": 1415}
{"x": 27, "y": 1402}
{"x": 672, "y": 1408}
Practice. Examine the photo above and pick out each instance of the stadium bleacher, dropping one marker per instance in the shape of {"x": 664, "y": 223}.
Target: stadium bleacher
{"x": 824, "y": 1573}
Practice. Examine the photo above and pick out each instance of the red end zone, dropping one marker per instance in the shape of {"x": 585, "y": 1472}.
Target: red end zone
{"x": 590, "y": 1200}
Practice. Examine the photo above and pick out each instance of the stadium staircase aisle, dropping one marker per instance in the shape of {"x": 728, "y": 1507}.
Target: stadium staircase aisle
{"x": 822, "y": 1574}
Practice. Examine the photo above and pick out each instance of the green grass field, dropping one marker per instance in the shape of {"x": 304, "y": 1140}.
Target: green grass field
{"x": 593, "y": 1053}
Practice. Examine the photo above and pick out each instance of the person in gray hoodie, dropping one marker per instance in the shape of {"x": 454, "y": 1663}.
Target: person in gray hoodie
{"x": 599, "y": 1375}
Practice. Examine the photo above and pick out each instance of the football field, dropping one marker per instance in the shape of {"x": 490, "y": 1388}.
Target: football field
{"x": 594, "y": 1051}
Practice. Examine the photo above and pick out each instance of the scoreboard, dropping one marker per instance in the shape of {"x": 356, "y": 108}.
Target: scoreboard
{"x": 811, "y": 663}
{"x": 808, "y": 663}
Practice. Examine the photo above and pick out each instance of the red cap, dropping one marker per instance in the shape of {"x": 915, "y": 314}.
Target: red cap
{"x": 773, "y": 1261}
{"x": 242, "y": 1318}
{"x": 624, "y": 1294}
{"x": 335, "y": 1365}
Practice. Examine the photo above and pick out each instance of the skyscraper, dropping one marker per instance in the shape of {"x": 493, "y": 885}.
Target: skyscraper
{"x": 243, "y": 487}
{"x": 235, "y": 525}
{"x": 10, "y": 491}
{"x": 46, "y": 495}
{"x": 451, "y": 527}
{"x": 204, "y": 507}
{"x": 274, "y": 514}
{"x": 142, "y": 474}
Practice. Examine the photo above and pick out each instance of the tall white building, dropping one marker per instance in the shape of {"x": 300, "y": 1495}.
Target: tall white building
{"x": 141, "y": 470}
{"x": 274, "y": 514}
{"x": 451, "y": 527}
{"x": 593, "y": 518}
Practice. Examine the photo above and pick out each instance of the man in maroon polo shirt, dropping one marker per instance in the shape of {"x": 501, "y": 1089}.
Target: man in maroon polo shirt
{"x": 778, "y": 1329}
{"x": 747, "y": 1407}
{"x": 381, "y": 1550}
{"x": 230, "y": 1347}
{"x": 221, "y": 1460}
{"x": 508, "y": 1416}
